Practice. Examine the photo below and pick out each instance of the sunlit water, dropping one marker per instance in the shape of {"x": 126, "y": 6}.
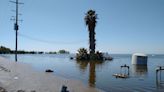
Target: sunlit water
{"x": 99, "y": 74}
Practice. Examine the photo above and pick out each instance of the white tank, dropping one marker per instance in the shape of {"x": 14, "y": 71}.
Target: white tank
{"x": 139, "y": 59}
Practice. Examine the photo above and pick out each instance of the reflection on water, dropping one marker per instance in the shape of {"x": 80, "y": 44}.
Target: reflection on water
{"x": 92, "y": 70}
{"x": 82, "y": 65}
{"x": 139, "y": 70}
{"x": 159, "y": 78}
{"x": 92, "y": 75}
{"x": 160, "y": 84}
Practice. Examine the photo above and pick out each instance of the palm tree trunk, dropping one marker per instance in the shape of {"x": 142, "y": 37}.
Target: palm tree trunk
{"x": 92, "y": 40}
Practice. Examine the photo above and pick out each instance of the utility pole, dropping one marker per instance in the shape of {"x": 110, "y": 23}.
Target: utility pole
{"x": 16, "y": 26}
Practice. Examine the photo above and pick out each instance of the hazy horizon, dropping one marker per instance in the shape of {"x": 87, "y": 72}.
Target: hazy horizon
{"x": 124, "y": 26}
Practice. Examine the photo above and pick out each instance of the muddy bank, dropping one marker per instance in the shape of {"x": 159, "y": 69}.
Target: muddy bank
{"x": 19, "y": 77}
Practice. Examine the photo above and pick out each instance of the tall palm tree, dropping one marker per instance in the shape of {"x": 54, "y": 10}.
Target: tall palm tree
{"x": 90, "y": 20}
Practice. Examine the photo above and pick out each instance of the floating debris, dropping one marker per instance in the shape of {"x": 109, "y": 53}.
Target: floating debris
{"x": 21, "y": 91}
{"x": 71, "y": 58}
{"x": 108, "y": 58}
{"x": 121, "y": 75}
{"x": 2, "y": 89}
{"x": 64, "y": 89}
{"x": 15, "y": 78}
{"x": 49, "y": 71}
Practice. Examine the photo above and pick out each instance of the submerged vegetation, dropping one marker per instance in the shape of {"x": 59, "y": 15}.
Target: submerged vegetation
{"x": 84, "y": 55}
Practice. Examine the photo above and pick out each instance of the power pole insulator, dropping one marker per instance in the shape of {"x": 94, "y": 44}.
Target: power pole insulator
{"x": 16, "y": 27}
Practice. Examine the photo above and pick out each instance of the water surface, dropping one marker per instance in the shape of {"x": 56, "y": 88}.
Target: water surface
{"x": 99, "y": 74}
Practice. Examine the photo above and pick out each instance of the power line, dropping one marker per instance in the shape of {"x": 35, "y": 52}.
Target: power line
{"x": 50, "y": 42}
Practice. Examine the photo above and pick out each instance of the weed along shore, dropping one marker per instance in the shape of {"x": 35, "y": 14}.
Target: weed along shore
{"x": 20, "y": 77}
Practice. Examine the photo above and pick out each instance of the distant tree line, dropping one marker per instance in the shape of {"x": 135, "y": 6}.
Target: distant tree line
{"x": 63, "y": 52}
{"x": 5, "y": 50}
{"x": 59, "y": 52}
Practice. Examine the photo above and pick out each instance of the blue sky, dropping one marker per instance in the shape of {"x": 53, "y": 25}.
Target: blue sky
{"x": 124, "y": 26}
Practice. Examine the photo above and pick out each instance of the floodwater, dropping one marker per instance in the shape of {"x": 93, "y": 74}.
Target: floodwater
{"x": 100, "y": 74}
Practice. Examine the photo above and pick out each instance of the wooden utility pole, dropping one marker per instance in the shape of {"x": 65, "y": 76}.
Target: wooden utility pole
{"x": 16, "y": 27}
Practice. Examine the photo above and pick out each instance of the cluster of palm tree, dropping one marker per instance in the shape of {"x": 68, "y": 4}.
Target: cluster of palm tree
{"x": 84, "y": 55}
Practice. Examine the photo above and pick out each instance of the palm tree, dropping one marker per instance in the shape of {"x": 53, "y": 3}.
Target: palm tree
{"x": 82, "y": 54}
{"x": 90, "y": 20}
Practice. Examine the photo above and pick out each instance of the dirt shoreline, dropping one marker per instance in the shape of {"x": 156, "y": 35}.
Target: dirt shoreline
{"x": 20, "y": 77}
